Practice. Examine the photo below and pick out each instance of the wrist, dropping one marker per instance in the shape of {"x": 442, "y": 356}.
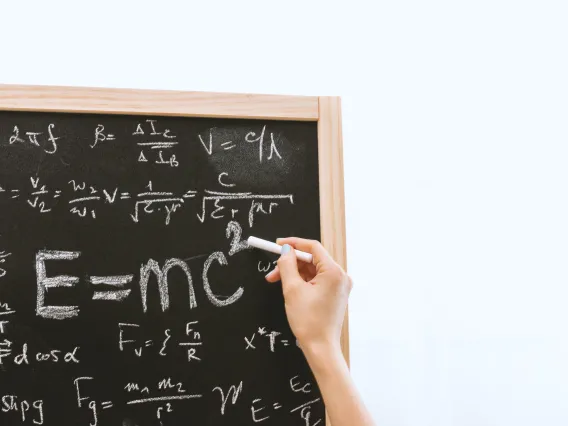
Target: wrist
{"x": 324, "y": 356}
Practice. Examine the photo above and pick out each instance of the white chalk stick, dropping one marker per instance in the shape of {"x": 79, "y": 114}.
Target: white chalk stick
{"x": 275, "y": 248}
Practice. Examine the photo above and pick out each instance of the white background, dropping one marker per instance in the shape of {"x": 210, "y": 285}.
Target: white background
{"x": 456, "y": 149}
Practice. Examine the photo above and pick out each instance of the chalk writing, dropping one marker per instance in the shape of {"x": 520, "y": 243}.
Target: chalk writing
{"x": 151, "y": 267}
{"x": 305, "y": 411}
{"x": 221, "y": 140}
{"x": 262, "y": 410}
{"x": 220, "y": 198}
{"x": 252, "y": 137}
{"x": 232, "y": 392}
{"x": 94, "y": 406}
{"x": 271, "y": 340}
{"x": 83, "y": 200}
{"x": 169, "y": 341}
{"x": 37, "y": 195}
{"x": 48, "y": 143}
{"x": 28, "y": 411}
{"x": 158, "y": 139}
{"x": 128, "y": 292}
{"x": 5, "y": 349}
{"x": 3, "y": 257}
{"x": 101, "y": 136}
{"x": 264, "y": 267}
{"x": 26, "y": 356}
{"x": 222, "y": 182}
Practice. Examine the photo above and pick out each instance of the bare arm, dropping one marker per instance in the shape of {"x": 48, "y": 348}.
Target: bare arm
{"x": 316, "y": 299}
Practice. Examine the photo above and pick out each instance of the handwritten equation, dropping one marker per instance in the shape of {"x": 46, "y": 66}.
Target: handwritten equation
{"x": 156, "y": 144}
{"x": 84, "y": 201}
{"x": 166, "y": 395}
{"x": 128, "y": 293}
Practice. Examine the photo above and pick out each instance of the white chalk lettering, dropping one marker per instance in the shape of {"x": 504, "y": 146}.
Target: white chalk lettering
{"x": 296, "y": 386}
{"x": 167, "y": 384}
{"x": 44, "y": 283}
{"x": 233, "y": 393}
{"x": 237, "y": 244}
{"x": 222, "y": 183}
{"x": 78, "y": 391}
{"x": 257, "y": 410}
{"x": 162, "y": 279}
{"x": 251, "y": 137}
{"x": 121, "y": 340}
{"x": 214, "y": 299}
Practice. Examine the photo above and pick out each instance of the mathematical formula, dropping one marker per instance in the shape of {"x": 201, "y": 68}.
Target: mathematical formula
{"x": 128, "y": 293}
{"x": 154, "y": 141}
{"x": 85, "y": 201}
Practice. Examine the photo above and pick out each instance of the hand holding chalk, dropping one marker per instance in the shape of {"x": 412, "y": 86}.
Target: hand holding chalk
{"x": 315, "y": 293}
{"x": 275, "y": 248}
{"x": 315, "y": 296}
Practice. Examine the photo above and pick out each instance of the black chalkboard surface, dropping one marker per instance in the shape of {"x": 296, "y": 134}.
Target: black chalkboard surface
{"x": 127, "y": 294}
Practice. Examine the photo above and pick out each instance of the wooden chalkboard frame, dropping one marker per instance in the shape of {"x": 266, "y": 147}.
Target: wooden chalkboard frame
{"x": 326, "y": 110}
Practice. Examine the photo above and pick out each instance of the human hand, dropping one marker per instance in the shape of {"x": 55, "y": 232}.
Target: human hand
{"x": 315, "y": 294}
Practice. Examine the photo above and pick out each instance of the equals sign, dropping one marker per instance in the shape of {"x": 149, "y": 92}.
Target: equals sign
{"x": 106, "y": 404}
{"x": 228, "y": 147}
{"x": 117, "y": 281}
{"x": 15, "y": 191}
{"x": 124, "y": 196}
{"x": 57, "y": 194}
{"x": 285, "y": 342}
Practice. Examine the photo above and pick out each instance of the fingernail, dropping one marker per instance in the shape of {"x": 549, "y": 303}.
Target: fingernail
{"x": 285, "y": 249}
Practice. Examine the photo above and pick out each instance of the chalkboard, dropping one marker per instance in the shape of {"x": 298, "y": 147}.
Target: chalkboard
{"x": 128, "y": 295}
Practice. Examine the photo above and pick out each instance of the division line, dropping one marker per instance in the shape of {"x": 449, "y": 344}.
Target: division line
{"x": 156, "y": 143}
{"x": 78, "y": 200}
{"x": 163, "y": 398}
{"x": 305, "y": 405}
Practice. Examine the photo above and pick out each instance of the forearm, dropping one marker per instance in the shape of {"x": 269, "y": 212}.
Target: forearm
{"x": 343, "y": 402}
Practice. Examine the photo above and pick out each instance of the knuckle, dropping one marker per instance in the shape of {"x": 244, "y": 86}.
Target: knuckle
{"x": 341, "y": 277}
{"x": 349, "y": 282}
{"x": 338, "y": 271}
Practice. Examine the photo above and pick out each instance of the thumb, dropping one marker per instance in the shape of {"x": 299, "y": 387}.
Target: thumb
{"x": 288, "y": 266}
